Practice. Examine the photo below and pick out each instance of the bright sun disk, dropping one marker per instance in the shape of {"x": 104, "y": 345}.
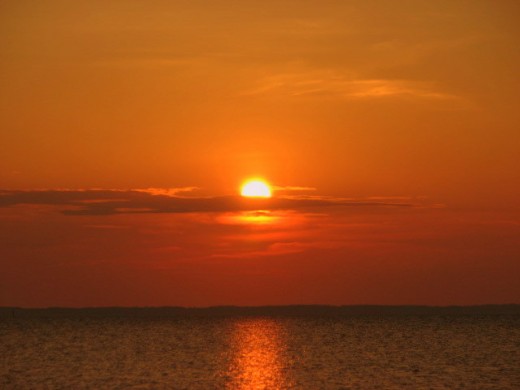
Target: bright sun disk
{"x": 256, "y": 188}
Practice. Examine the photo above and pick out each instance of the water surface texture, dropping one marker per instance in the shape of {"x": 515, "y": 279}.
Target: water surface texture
{"x": 262, "y": 351}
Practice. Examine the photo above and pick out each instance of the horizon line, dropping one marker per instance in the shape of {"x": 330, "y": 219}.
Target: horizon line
{"x": 296, "y": 305}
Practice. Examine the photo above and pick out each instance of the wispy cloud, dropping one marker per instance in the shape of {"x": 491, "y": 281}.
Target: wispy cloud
{"x": 280, "y": 249}
{"x": 166, "y": 191}
{"x": 293, "y": 188}
{"x": 108, "y": 202}
{"x": 323, "y": 83}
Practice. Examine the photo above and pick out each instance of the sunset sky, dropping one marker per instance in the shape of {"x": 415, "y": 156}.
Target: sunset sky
{"x": 388, "y": 130}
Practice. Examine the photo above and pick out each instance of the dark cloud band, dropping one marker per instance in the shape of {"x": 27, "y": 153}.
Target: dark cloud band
{"x": 107, "y": 202}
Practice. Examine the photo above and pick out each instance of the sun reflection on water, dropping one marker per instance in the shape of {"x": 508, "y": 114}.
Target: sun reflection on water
{"x": 257, "y": 362}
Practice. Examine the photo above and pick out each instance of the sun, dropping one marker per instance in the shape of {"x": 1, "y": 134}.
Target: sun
{"x": 256, "y": 188}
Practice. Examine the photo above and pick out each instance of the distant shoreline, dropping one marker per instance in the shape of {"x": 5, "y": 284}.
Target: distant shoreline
{"x": 281, "y": 311}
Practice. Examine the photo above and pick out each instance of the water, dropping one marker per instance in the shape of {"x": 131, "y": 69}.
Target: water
{"x": 262, "y": 352}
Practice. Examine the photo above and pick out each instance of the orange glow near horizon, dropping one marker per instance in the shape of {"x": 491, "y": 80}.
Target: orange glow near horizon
{"x": 256, "y": 188}
{"x": 262, "y": 217}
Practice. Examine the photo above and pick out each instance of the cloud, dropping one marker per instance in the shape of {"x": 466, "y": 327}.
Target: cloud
{"x": 109, "y": 202}
{"x": 293, "y": 188}
{"x": 390, "y": 198}
{"x": 328, "y": 83}
{"x": 166, "y": 191}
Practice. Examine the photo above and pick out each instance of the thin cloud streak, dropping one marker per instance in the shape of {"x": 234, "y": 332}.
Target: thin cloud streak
{"x": 323, "y": 83}
{"x": 293, "y": 188}
{"x": 109, "y": 202}
{"x": 166, "y": 191}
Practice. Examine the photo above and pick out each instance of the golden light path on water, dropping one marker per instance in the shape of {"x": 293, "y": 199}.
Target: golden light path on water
{"x": 257, "y": 361}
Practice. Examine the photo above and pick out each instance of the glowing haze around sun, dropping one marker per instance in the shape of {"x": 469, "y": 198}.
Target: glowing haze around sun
{"x": 256, "y": 188}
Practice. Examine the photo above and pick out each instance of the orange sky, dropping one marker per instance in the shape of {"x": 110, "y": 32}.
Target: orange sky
{"x": 409, "y": 102}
